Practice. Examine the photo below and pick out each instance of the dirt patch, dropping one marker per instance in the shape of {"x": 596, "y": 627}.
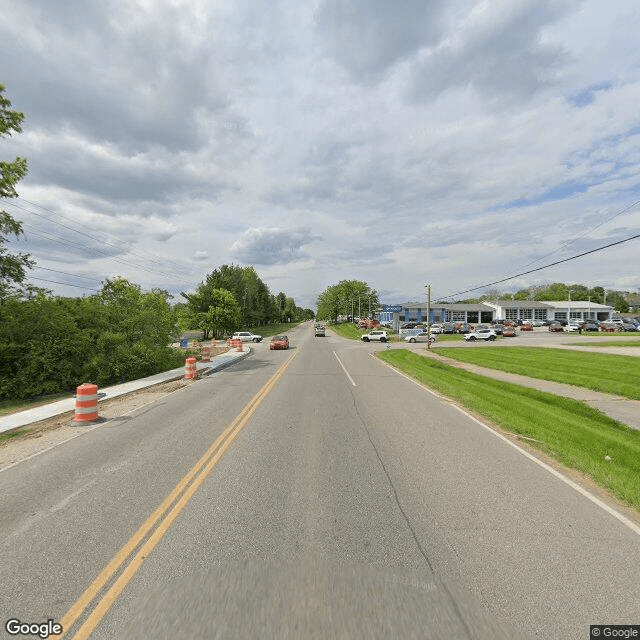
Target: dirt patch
{"x": 27, "y": 442}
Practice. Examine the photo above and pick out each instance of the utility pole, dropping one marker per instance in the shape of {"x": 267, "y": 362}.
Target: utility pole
{"x": 428, "y": 316}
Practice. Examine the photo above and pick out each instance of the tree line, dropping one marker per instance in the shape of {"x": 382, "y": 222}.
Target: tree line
{"x": 347, "y": 298}
{"x": 619, "y": 300}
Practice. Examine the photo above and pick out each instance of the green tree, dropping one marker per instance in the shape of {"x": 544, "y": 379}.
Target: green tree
{"x": 345, "y": 297}
{"x": 220, "y": 314}
{"x": 13, "y": 267}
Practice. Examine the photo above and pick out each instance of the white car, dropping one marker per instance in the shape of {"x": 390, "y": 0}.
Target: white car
{"x": 421, "y": 337}
{"x": 246, "y": 336}
{"x": 573, "y": 326}
{"x": 380, "y": 336}
{"x": 481, "y": 334}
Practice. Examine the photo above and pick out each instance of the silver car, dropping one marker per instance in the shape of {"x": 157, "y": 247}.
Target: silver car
{"x": 422, "y": 337}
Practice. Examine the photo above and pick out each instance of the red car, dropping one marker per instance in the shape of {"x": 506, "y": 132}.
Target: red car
{"x": 508, "y": 332}
{"x": 526, "y": 327}
{"x": 279, "y": 342}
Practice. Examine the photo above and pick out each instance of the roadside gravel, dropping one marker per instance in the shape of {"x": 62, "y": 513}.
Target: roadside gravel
{"x": 46, "y": 434}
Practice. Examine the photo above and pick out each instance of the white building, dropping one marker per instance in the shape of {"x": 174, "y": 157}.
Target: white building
{"x": 486, "y": 312}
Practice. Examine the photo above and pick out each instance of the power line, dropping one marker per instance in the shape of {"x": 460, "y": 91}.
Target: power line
{"x": 552, "y": 264}
{"x": 65, "y": 273}
{"x": 66, "y": 284}
{"x": 588, "y": 231}
{"x": 102, "y": 241}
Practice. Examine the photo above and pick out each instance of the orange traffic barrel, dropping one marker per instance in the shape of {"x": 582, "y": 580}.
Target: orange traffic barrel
{"x": 205, "y": 352}
{"x": 239, "y": 345}
{"x": 190, "y": 371}
{"x": 86, "y": 403}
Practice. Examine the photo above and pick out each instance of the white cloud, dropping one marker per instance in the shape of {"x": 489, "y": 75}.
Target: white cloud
{"x": 453, "y": 141}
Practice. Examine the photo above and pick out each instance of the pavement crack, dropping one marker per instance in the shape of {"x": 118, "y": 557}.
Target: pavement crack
{"x": 393, "y": 488}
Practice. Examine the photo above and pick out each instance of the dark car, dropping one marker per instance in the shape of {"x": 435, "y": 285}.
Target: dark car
{"x": 556, "y": 326}
{"x": 497, "y": 328}
{"x": 591, "y": 326}
{"x": 448, "y": 327}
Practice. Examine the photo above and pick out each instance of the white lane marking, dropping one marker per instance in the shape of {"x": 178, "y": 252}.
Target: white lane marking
{"x": 581, "y": 490}
{"x": 345, "y": 370}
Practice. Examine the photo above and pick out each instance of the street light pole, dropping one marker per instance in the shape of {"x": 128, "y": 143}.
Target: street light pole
{"x": 569, "y": 307}
{"x": 428, "y": 316}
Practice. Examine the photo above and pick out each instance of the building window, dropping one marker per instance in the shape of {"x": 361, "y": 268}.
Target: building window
{"x": 526, "y": 314}
{"x": 576, "y": 314}
{"x": 540, "y": 314}
{"x": 511, "y": 314}
{"x": 472, "y": 316}
{"x": 561, "y": 315}
{"x": 458, "y": 316}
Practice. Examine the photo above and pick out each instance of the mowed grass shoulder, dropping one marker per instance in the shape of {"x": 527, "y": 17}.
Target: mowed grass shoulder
{"x": 569, "y": 431}
{"x": 603, "y": 372}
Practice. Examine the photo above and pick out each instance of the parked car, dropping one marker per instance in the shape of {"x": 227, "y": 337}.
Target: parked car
{"x": 435, "y": 328}
{"x": 380, "y": 336}
{"x": 591, "y": 326}
{"x": 246, "y": 336}
{"x": 279, "y": 342}
{"x": 627, "y": 326}
{"x": 509, "y": 332}
{"x": 448, "y": 327}
{"x": 497, "y": 328}
{"x": 319, "y": 330}
{"x": 574, "y": 326}
{"x": 556, "y": 326}
{"x": 422, "y": 337}
{"x": 538, "y": 323}
{"x": 481, "y": 334}
{"x": 462, "y": 327}
{"x": 526, "y": 327}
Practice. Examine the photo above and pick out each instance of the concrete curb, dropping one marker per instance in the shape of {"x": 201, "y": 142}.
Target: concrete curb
{"x": 53, "y": 409}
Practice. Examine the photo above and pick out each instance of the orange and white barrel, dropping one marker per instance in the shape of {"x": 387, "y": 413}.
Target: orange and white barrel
{"x": 239, "y": 345}
{"x": 86, "y": 403}
{"x": 190, "y": 370}
{"x": 205, "y": 354}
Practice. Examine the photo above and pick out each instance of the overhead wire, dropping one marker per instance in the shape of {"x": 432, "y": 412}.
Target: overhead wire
{"x": 101, "y": 240}
{"x": 94, "y": 251}
{"x": 546, "y": 266}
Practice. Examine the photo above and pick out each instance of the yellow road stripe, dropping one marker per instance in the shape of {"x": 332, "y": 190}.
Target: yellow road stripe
{"x": 216, "y": 450}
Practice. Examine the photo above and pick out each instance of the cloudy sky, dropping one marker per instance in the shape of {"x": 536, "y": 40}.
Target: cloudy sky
{"x": 451, "y": 142}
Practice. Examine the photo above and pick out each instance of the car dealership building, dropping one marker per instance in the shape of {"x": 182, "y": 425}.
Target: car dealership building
{"x": 486, "y": 312}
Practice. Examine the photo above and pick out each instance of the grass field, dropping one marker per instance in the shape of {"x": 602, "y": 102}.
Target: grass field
{"x": 603, "y": 372}
{"x": 569, "y": 431}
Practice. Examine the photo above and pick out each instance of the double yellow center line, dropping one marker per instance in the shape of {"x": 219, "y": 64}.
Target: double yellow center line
{"x": 157, "y": 524}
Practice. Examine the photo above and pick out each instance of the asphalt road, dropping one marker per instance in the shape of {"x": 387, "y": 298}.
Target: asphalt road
{"x": 340, "y": 501}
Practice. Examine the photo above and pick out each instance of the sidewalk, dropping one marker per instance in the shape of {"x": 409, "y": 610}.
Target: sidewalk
{"x": 616, "y": 407}
{"x": 44, "y": 412}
